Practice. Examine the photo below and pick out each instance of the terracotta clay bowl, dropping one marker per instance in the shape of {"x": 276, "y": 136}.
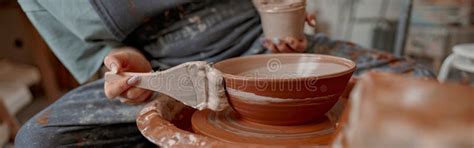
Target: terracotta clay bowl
{"x": 285, "y": 89}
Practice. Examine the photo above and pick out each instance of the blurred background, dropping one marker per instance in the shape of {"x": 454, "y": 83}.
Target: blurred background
{"x": 427, "y": 30}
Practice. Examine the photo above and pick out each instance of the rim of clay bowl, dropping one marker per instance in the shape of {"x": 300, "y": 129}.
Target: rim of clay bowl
{"x": 351, "y": 66}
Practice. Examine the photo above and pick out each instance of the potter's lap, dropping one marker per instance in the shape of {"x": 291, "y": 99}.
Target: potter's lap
{"x": 82, "y": 117}
{"x": 88, "y": 105}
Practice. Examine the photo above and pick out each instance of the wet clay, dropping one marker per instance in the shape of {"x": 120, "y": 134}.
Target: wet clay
{"x": 251, "y": 97}
{"x": 315, "y": 85}
{"x": 44, "y": 118}
{"x": 289, "y": 70}
{"x": 390, "y": 110}
{"x": 229, "y": 127}
{"x": 164, "y": 122}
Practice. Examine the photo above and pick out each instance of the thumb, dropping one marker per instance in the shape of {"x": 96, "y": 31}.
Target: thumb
{"x": 127, "y": 59}
{"x": 296, "y": 44}
{"x": 113, "y": 87}
{"x": 311, "y": 19}
{"x": 116, "y": 62}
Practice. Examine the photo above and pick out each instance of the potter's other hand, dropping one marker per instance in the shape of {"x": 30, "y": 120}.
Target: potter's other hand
{"x": 126, "y": 59}
{"x": 311, "y": 20}
{"x": 287, "y": 45}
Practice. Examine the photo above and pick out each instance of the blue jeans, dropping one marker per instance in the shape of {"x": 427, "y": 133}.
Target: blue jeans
{"x": 83, "y": 118}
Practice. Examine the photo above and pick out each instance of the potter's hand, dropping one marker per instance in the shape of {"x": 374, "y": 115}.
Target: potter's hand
{"x": 289, "y": 44}
{"x": 126, "y": 59}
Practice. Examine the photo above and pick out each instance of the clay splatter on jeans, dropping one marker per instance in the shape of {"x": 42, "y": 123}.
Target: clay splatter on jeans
{"x": 43, "y": 119}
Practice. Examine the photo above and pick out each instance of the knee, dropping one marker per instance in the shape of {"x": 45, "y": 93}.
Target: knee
{"x": 33, "y": 134}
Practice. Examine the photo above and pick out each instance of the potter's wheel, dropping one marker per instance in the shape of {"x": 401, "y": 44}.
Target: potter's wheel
{"x": 221, "y": 129}
{"x": 229, "y": 127}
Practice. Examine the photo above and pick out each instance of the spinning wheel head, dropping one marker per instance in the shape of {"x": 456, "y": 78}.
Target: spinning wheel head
{"x": 229, "y": 127}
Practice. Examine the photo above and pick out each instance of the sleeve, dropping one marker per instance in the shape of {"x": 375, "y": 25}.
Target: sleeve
{"x": 73, "y": 31}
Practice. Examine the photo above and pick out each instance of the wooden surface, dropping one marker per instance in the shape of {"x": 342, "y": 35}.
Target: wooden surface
{"x": 10, "y": 120}
{"x": 49, "y": 81}
{"x": 20, "y": 42}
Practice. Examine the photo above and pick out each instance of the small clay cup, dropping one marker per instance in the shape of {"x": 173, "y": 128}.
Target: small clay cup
{"x": 282, "y": 18}
{"x": 285, "y": 89}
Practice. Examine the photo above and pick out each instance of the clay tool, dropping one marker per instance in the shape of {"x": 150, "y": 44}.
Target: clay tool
{"x": 195, "y": 84}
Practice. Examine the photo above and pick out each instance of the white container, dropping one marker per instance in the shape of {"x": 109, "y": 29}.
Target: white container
{"x": 282, "y": 18}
